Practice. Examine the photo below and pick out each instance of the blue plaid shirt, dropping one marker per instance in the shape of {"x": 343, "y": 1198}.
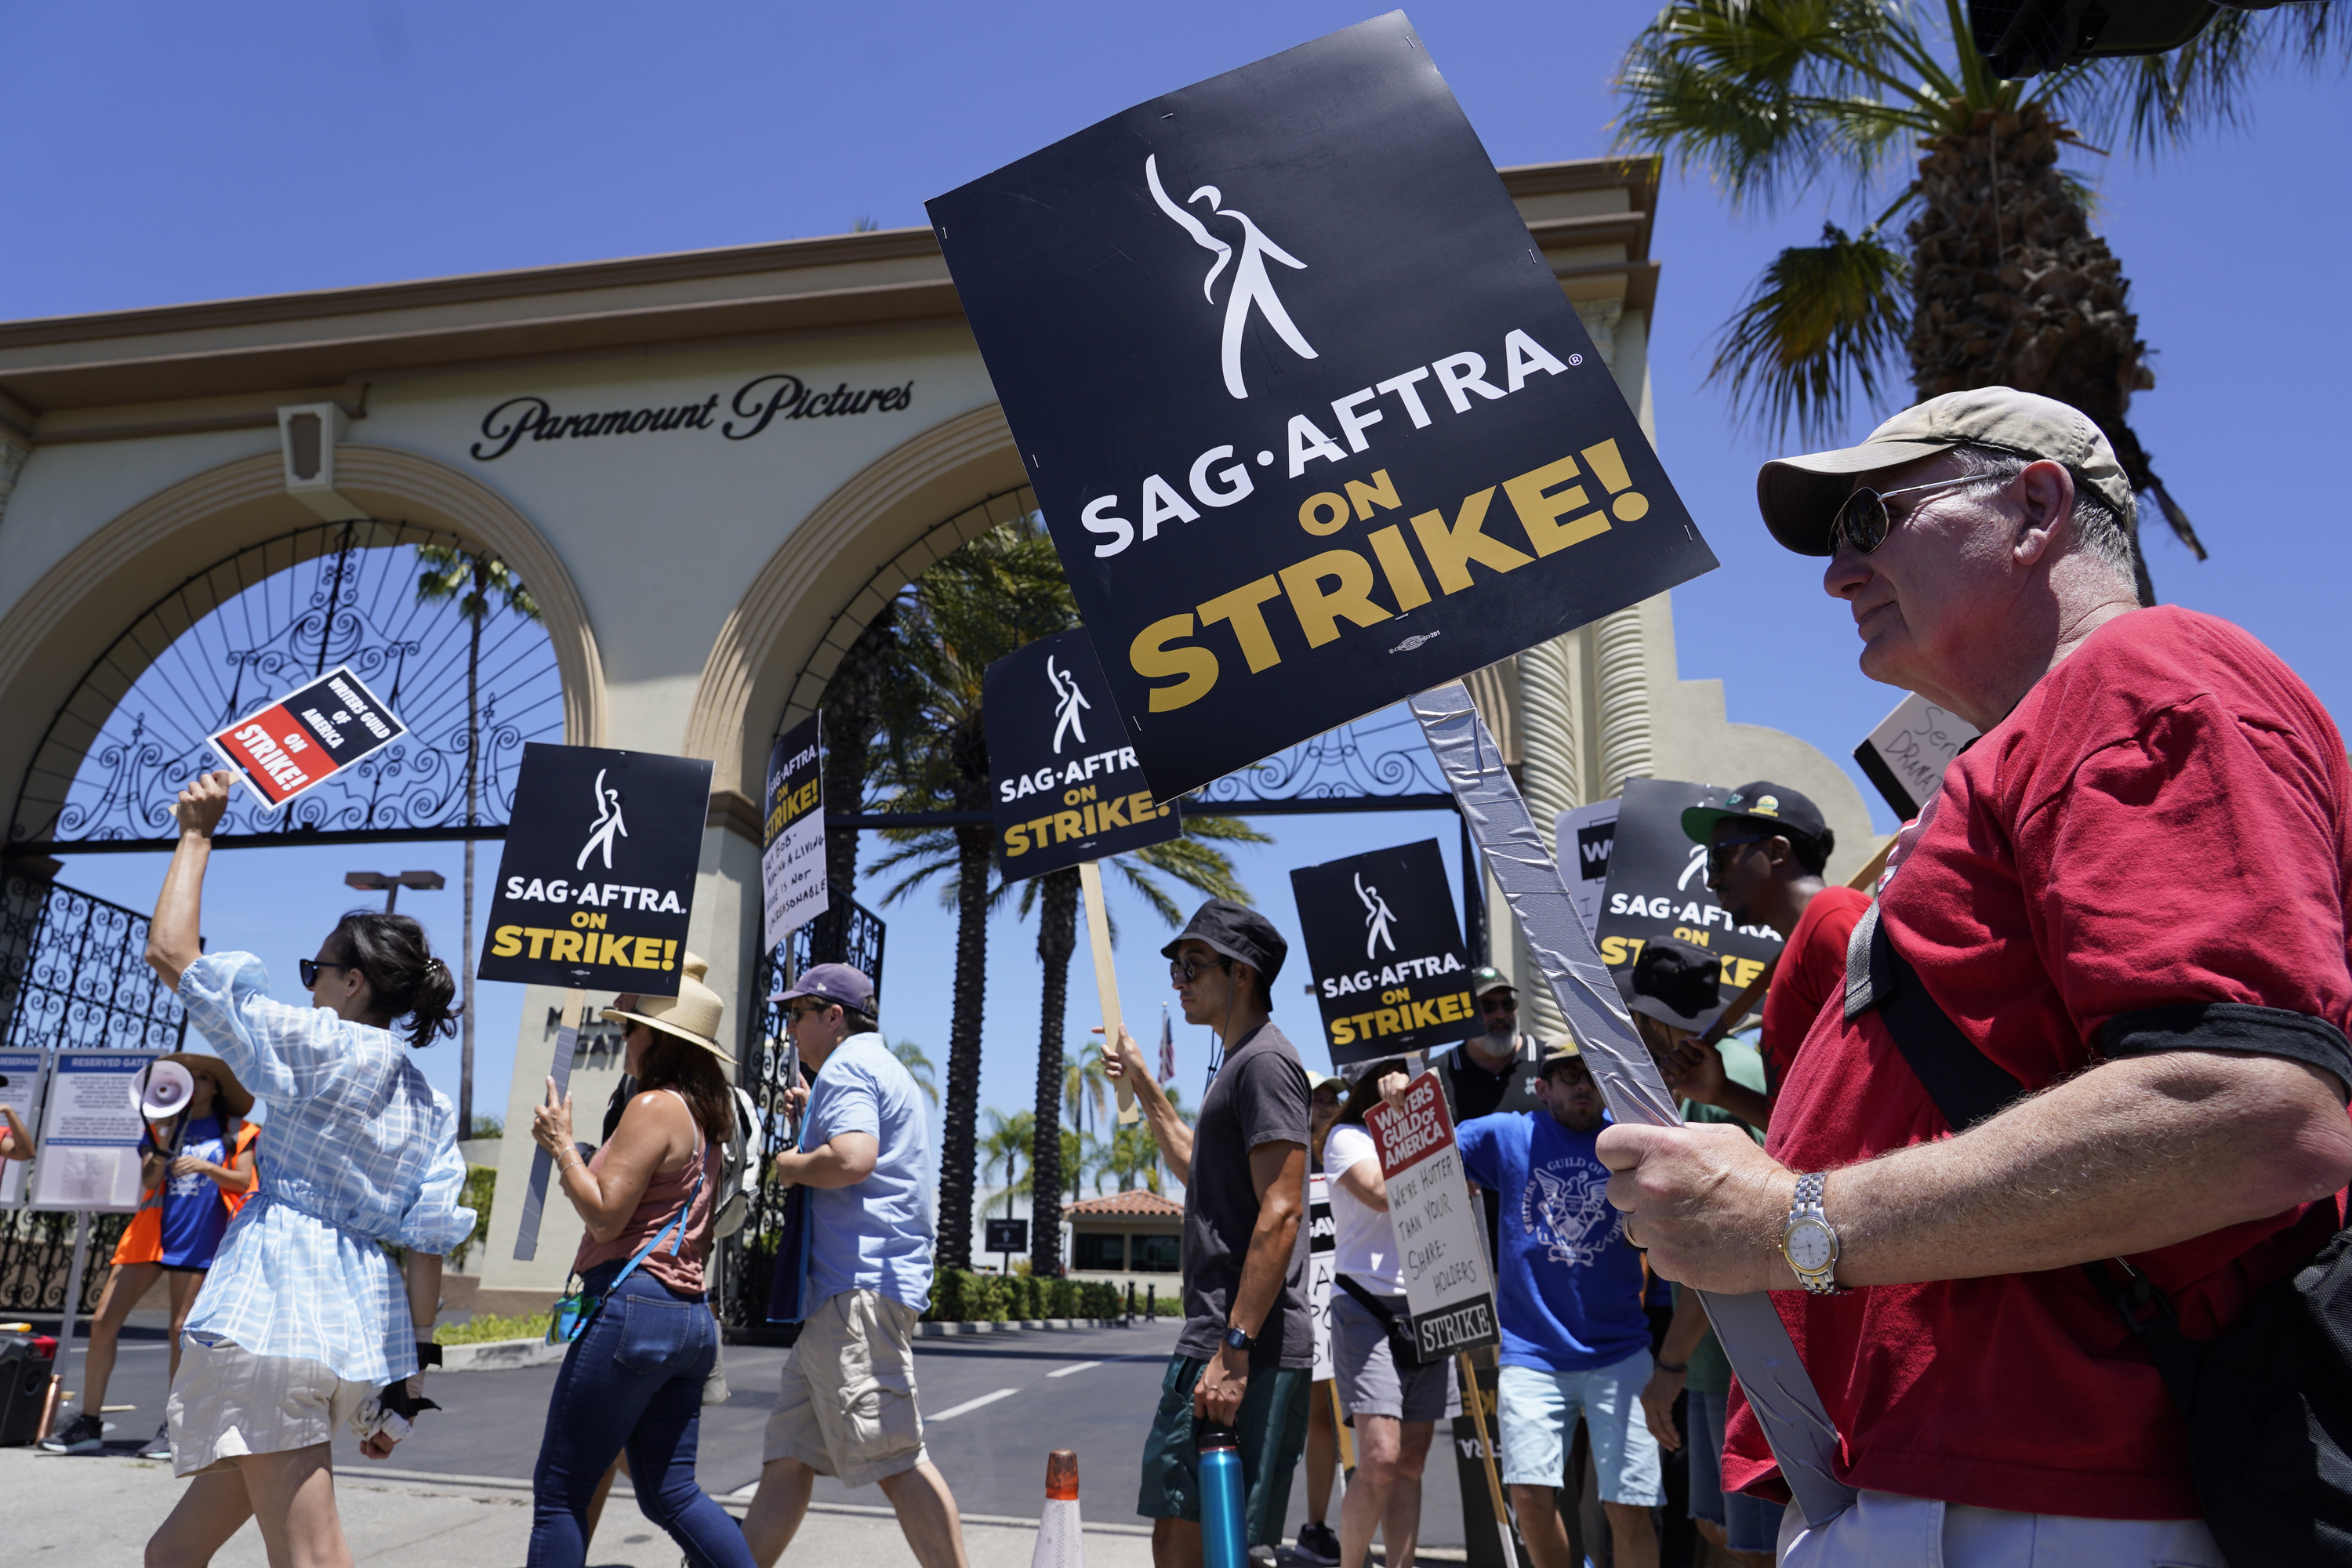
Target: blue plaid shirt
{"x": 359, "y": 1149}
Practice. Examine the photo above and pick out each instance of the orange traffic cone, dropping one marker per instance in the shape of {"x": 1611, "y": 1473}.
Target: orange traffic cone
{"x": 1061, "y": 1538}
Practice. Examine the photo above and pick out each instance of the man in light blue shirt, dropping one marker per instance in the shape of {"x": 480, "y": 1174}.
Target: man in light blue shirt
{"x": 847, "y": 1406}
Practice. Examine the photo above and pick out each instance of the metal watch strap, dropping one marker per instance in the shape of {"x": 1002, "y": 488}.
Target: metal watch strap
{"x": 1806, "y": 1204}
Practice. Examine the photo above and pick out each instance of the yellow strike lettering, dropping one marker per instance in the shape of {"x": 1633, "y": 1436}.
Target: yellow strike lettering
{"x": 1068, "y": 826}
{"x": 1139, "y": 807}
{"x": 613, "y": 948}
{"x": 1451, "y": 549}
{"x": 1039, "y": 829}
{"x": 1745, "y": 971}
{"x": 1612, "y": 951}
{"x": 1079, "y": 796}
{"x": 1150, "y": 656}
{"x": 1241, "y": 608}
{"x": 1380, "y": 492}
{"x": 1112, "y": 813}
{"x": 1389, "y": 1021}
{"x": 1341, "y": 1034}
{"x": 1398, "y": 566}
{"x": 1449, "y": 1008}
{"x": 506, "y": 941}
{"x": 1539, "y": 513}
{"x": 1625, "y": 504}
{"x": 565, "y": 947}
{"x": 649, "y": 954}
{"x": 1016, "y": 840}
{"x": 1422, "y": 1014}
{"x": 1363, "y": 1022}
{"x": 1091, "y": 828}
{"x": 538, "y": 936}
{"x": 1323, "y": 512}
{"x": 1318, "y": 611}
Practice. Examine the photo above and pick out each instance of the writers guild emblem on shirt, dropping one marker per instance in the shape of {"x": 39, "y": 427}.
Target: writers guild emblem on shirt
{"x": 1251, "y": 287}
{"x": 601, "y": 831}
{"x": 1376, "y": 915}
{"x": 1570, "y": 1214}
{"x": 1069, "y": 702}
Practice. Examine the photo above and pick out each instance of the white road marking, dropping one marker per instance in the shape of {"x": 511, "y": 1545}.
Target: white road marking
{"x": 971, "y": 1405}
{"x": 1074, "y": 1366}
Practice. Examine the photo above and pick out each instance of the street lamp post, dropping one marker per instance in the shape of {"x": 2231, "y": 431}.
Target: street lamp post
{"x": 390, "y": 883}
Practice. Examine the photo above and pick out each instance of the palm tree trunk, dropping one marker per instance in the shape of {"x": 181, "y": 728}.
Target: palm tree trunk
{"x": 481, "y": 605}
{"x": 1057, "y": 937}
{"x": 2012, "y": 288}
{"x": 959, "y": 1145}
{"x": 853, "y": 713}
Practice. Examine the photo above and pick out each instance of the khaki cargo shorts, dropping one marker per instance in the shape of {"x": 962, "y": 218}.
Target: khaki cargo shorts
{"x": 846, "y": 1406}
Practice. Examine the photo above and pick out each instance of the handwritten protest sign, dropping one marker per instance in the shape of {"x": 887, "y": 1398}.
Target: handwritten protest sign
{"x": 307, "y": 737}
{"x": 1906, "y": 754}
{"x": 791, "y": 860}
{"x": 1441, "y": 1235}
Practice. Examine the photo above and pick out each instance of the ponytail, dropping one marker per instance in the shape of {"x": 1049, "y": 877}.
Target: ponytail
{"x": 391, "y": 952}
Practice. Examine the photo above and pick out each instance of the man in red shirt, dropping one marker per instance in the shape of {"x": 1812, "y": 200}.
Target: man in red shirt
{"x": 1767, "y": 847}
{"x": 2129, "y": 896}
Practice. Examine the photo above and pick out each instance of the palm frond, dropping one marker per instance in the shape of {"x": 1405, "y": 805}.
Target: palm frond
{"x": 2158, "y": 103}
{"x": 1824, "y": 326}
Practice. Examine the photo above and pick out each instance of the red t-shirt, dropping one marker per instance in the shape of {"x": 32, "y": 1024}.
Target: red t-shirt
{"x": 1812, "y": 969}
{"x": 2166, "y": 819}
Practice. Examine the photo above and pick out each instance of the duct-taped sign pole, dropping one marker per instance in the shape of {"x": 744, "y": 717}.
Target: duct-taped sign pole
{"x": 1804, "y": 1437}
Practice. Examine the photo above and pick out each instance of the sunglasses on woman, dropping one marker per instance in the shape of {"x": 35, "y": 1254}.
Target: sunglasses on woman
{"x": 1863, "y": 522}
{"x": 310, "y": 967}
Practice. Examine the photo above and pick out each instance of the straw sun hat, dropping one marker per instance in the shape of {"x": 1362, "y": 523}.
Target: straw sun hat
{"x": 693, "y": 1015}
{"x": 234, "y": 1096}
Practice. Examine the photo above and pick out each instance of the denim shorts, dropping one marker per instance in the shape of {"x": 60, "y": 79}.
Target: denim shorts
{"x": 1749, "y": 1524}
{"x": 1538, "y": 1411}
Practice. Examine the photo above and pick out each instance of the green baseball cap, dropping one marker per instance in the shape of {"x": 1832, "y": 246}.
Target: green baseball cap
{"x": 1799, "y": 497}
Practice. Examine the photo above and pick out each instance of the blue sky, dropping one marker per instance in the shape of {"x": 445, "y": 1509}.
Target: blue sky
{"x": 172, "y": 154}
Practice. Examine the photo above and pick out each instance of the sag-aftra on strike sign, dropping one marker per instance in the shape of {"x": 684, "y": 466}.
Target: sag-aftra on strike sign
{"x": 1305, "y": 410}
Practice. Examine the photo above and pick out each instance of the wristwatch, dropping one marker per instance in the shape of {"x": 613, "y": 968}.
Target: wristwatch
{"x": 1237, "y": 1340}
{"x": 1807, "y": 1240}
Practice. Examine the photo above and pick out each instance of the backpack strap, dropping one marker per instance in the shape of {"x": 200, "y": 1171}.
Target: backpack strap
{"x": 1967, "y": 1084}
{"x": 1366, "y": 1299}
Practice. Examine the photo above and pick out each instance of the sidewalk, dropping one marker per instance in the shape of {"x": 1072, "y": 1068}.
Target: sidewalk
{"x": 103, "y": 1509}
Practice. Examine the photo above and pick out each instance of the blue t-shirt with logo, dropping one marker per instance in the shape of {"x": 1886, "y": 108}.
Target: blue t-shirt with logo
{"x": 194, "y": 1215}
{"x": 874, "y": 1236}
{"x": 1569, "y": 1295}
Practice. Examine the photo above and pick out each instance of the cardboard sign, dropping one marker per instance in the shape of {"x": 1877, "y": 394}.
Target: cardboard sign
{"x": 1311, "y": 422}
{"x": 1658, "y": 887}
{"x": 21, "y": 1094}
{"x": 1384, "y": 952}
{"x": 1585, "y": 836}
{"x": 1441, "y": 1234}
{"x": 307, "y": 737}
{"x": 1906, "y": 756}
{"x": 596, "y": 881}
{"x": 90, "y": 1128}
{"x": 1322, "y": 1268}
{"x": 1067, "y": 786}
{"x": 793, "y": 885}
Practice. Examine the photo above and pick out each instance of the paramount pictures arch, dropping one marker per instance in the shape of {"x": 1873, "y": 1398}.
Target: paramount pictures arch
{"x": 710, "y": 469}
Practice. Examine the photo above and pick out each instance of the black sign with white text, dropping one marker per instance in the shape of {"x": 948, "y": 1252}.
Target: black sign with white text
{"x": 596, "y": 881}
{"x": 1658, "y": 887}
{"x": 1303, "y": 404}
{"x": 1067, "y": 783}
{"x": 1385, "y": 951}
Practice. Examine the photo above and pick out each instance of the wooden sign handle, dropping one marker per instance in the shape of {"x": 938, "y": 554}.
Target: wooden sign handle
{"x": 1476, "y": 1407}
{"x": 1106, "y": 976}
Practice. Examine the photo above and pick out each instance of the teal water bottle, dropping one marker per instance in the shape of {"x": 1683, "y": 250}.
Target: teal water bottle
{"x": 1224, "y": 1537}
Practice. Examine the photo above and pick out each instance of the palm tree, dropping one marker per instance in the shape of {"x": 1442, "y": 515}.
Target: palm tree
{"x": 471, "y": 578}
{"x": 1085, "y": 1084}
{"x": 2003, "y": 283}
{"x": 1133, "y": 1158}
{"x": 919, "y": 1067}
{"x": 1008, "y": 1139}
{"x": 858, "y": 699}
{"x": 973, "y": 606}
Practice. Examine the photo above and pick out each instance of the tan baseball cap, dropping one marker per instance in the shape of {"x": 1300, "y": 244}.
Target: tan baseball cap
{"x": 1799, "y": 497}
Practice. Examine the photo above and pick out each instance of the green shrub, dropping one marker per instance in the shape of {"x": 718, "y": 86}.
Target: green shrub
{"x": 487, "y": 1326}
{"x": 481, "y": 1185}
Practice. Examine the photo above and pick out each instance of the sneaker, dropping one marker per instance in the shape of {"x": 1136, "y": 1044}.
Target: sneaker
{"x": 1318, "y": 1543}
{"x": 160, "y": 1448}
{"x": 85, "y": 1433}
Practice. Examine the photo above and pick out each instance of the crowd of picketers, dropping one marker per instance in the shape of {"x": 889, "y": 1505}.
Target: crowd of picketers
{"x": 2039, "y": 1150}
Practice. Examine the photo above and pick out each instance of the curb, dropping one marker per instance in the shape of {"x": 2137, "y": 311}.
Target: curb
{"x": 501, "y": 1356}
{"x": 934, "y": 1331}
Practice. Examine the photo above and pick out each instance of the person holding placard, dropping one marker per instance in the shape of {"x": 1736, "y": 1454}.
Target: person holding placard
{"x": 304, "y": 1326}
{"x": 194, "y": 1173}
{"x": 1396, "y": 1406}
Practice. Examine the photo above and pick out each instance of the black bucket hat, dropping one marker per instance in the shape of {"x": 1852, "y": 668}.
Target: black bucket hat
{"x": 1237, "y": 932}
{"x": 1675, "y": 981}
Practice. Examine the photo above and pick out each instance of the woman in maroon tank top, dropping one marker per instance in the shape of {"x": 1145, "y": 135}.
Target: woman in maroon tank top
{"x": 633, "y": 1378}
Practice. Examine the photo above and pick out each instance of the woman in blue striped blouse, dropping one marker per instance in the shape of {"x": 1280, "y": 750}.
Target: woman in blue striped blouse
{"x": 304, "y": 1326}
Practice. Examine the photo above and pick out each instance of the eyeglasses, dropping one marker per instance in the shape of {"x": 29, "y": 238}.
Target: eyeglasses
{"x": 1715, "y": 852}
{"x": 803, "y": 1009}
{"x": 1182, "y": 970}
{"x": 1863, "y": 520}
{"x": 1498, "y": 1004}
{"x": 310, "y": 967}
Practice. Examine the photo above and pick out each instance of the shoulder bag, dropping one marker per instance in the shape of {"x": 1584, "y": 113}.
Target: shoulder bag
{"x": 577, "y": 1307}
{"x": 1401, "y": 1345}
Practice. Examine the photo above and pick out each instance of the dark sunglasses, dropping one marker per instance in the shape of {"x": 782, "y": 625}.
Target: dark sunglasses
{"x": 310, "y": 967}
{"x": 1863, "y": 522}
{"x": 1182, "y": 970}
{"x": 1715, "y": 852}
{"x": 1498, "y": 1002}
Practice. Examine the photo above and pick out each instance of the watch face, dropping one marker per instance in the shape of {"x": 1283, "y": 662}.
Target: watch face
{"x": 1811, "y": 1245}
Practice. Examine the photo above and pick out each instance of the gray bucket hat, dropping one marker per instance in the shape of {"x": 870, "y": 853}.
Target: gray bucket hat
{"x": 1799, "y": 497}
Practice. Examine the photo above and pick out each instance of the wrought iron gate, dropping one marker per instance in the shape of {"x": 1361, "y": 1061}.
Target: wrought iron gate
{"x": 73, "y": 977}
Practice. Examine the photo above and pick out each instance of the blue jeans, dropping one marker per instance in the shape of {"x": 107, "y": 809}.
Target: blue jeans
{"x": 1749, "y": 1524}
{"x": 634, "y": 1379}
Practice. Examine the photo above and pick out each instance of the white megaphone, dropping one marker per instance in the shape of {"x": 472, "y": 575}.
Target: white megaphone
{"x": 163, "y": 1090}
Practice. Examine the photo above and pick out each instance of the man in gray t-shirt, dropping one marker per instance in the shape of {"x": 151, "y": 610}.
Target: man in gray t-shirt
{"x": 1246, "y": 1353}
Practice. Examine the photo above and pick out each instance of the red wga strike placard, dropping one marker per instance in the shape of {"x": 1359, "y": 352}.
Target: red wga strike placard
{"x": 307, "y": 736}
{"x": 1441, "y": 1235}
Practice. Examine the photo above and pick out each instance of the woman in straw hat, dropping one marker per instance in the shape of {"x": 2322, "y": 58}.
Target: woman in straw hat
{"x": 634, "y": 1378}
{"x": 196, "y": 1169}
{"x": 303, "y": 1327}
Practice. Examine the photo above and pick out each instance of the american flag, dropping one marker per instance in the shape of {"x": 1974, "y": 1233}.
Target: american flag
{"x": 1167, "y": 1046}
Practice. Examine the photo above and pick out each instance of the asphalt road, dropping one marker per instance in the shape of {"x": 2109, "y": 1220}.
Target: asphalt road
{"x": 995, "y": 1406}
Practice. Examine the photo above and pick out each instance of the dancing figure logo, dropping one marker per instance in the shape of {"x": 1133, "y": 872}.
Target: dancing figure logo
{"x": 601, "y": 831}
{"x": 1251, "y": 287}
{"x": 1069, "y": 702}
{"x": 1377, "y": 916}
